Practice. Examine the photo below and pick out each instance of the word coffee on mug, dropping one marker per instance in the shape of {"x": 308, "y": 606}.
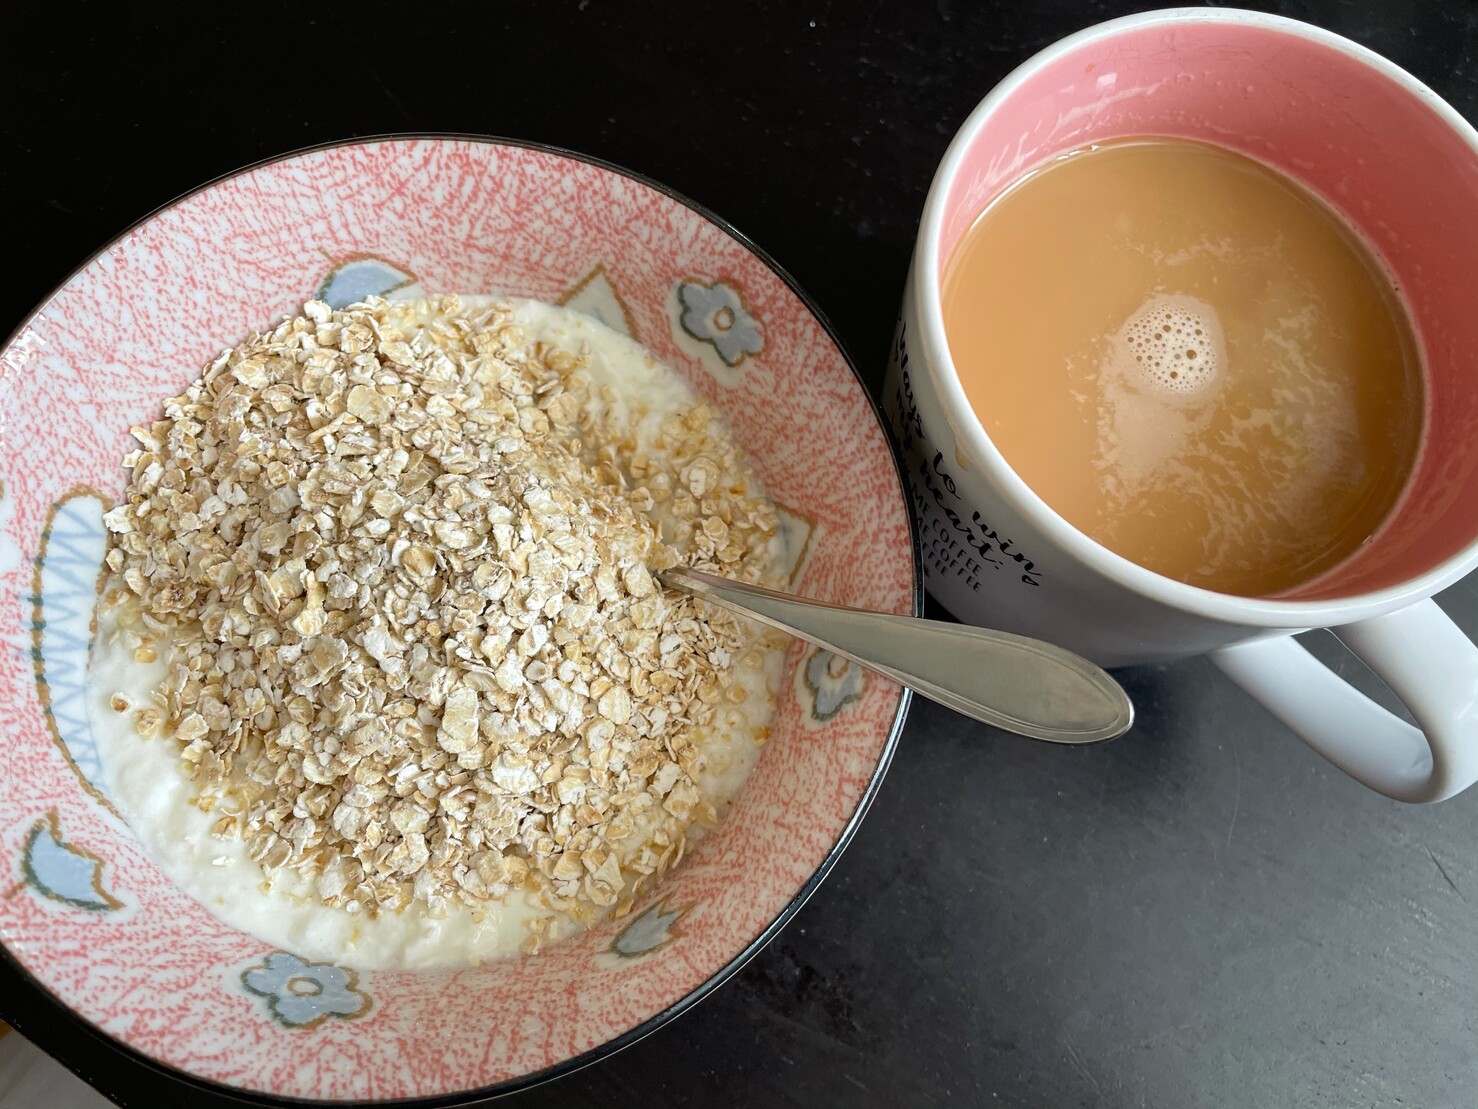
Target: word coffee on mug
{"x": 1190, "y": 359}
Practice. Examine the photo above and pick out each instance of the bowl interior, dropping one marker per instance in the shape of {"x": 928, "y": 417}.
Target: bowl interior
{"x": 83, "y": 908}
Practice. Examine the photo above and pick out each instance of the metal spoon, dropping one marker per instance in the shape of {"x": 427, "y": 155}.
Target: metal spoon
{"x": 1019, "y": 684}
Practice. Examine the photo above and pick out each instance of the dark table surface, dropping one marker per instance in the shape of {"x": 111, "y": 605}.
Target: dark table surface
{"x": 1200, "y": 914}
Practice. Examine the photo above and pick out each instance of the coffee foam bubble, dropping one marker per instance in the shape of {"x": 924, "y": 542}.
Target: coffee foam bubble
{"x": 1176, "y": 342}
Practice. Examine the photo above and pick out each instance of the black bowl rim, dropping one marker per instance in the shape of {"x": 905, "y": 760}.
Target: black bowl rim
{"x": 754, "y": 946}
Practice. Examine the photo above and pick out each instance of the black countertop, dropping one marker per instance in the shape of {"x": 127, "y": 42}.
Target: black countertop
{"x": 1201, "y": 914}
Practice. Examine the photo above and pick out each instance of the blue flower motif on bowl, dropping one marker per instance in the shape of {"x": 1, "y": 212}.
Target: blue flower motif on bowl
{"x": 64, "y": 593}
{"x": 833, "y": 682}
{"x": 360, "y": 276}
{"x": 300, "y": 994}
{"x": 714, "y": 313}
{"x": 651, "y": 931}
{"x": 63, "y": 871}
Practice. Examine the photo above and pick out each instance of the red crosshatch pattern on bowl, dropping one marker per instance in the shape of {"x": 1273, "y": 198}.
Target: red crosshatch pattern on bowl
{"x": 135, "y": 325}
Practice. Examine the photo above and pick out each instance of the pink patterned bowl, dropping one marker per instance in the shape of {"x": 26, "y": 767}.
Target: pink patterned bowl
{"x": 86, "y": 912}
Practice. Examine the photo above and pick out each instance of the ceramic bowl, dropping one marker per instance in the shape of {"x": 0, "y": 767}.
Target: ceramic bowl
{"x": 85, "y": 911}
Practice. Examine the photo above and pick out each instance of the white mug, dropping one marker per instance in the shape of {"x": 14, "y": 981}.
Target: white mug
{"x": 1402, "y": 167}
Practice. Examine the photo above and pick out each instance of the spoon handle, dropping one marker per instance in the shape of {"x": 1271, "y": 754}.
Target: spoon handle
{"x": 1019, "y": 684}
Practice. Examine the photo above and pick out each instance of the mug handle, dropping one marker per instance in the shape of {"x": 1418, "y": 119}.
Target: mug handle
{"x": 1428, "y": 663}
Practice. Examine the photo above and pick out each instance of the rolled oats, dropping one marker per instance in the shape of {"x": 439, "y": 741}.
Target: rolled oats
{"x": 399, "y": 562}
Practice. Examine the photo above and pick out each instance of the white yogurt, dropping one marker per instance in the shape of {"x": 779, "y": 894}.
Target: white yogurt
{"x": 647, "y": 390}
{"x": 147, "y": 781}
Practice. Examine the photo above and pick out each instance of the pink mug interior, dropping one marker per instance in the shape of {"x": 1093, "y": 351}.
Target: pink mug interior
{"x": 1380, "y": 148}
